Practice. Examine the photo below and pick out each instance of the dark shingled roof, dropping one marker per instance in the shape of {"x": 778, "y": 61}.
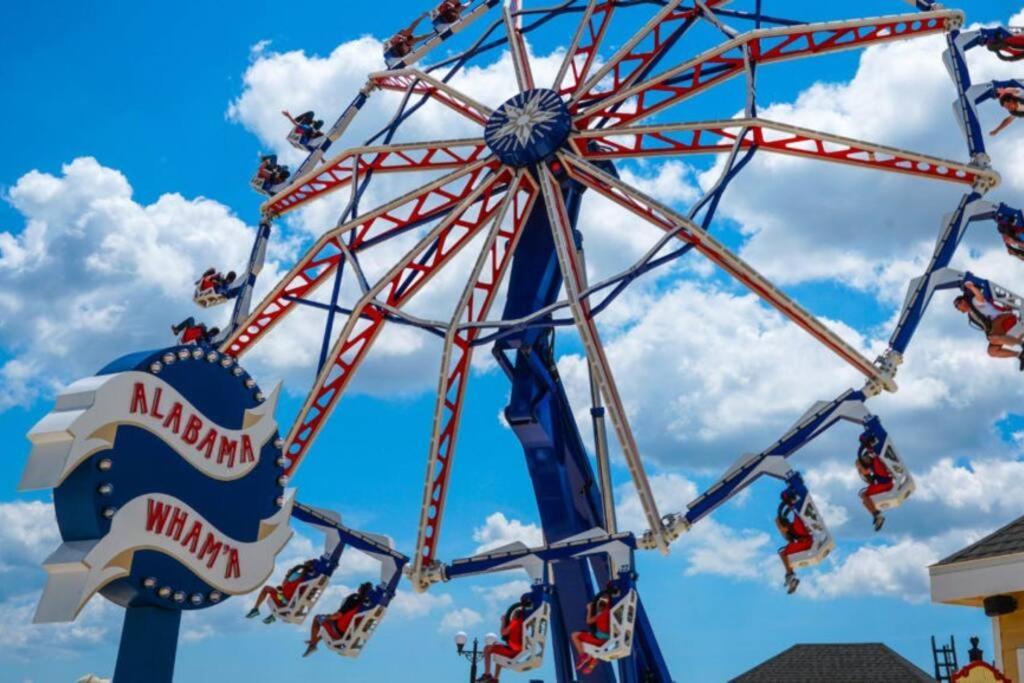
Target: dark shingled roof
{"x": 839, "y": 663}
{"x": 1005, "y": 541}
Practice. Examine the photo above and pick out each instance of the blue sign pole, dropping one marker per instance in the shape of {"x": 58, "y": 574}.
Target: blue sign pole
{"x": 149, "y": 642}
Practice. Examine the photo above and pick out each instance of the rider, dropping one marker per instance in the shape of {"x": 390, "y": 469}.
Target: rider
{"x": 306, "y": 125}
{"x": 401, "y": 44}
{"x": 798, "y": 536}
{"x": 599, "y": 621}
{"x": 448, "y": 12}
{"x": 876, "y": 475}
{"x": 1011, "y": 229}
{"x": 1012, "y": 100}
{"x": 1001, "y": 325}
{"x": 213, "y": 279}
{"x": 337, "y": 623}
{"x": 194, "y": 333}
{"x": 270, "y": 172}
{"x": 282, "y": 595}
{"x": 511, "y": 634}
{"x": 1005, "y": 44}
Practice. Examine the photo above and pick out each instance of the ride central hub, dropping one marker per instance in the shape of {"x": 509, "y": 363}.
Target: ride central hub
{"x": 529, "y": 128}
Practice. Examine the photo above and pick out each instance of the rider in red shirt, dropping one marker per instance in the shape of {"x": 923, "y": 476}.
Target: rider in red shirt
{"x": 194, "y": 333}
{"x": 798, "y": 536}
{"x": 282, "y": 595}
{"x": 337, "y": 623}
{"x": 876, "y": 475}
{"x": 512, "y": 636}
{"x": 599, "y": 621}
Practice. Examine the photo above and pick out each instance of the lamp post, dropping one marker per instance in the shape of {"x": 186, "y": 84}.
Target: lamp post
{"x": 475, "y": 656}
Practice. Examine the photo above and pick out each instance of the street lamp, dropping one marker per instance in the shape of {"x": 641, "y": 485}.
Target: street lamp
{"x": 475, "y": 656}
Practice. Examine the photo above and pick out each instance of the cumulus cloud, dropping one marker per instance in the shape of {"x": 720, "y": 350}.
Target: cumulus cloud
{"x": 93, "y": 272}
{"x": 28, "y": 533}
{"x": 460, "y": 620}
{"x": 498, "y": 530}
{"x": 410, "y": 605}
{"x": 93, "y": 628}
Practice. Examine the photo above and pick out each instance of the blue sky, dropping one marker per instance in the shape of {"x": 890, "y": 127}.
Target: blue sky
{"x": 179, "y": 100}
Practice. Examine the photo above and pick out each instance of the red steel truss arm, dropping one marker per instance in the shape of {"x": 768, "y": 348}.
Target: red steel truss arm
{"x": 632, "y": 60}
{"x": 320, "y": 260}
{"x": 474, "y": 306}
{"x": 720, "y": 137}
{"x": 339, "y": 171}
{"x": 575, "y": 283}
{"x": 671, "y": 221}
{"x": 583, "y": 50}
{"x": 765, "y": 46}
{"x": 370, "y": 314}
{"x": 517, "y": 44}
{"x": 419, "y": 83}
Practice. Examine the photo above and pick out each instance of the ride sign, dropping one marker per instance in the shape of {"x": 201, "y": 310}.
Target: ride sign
{"x": 168, "y": 484}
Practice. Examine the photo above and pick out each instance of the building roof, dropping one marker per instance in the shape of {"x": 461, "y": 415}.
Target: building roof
{"x": 836, "y": 663}
{"x": 1006, "y": 541}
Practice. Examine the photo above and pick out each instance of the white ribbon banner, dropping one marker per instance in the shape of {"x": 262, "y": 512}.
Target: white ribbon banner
{"x": 89, "y": 412}
{"x": 78, "y": 570}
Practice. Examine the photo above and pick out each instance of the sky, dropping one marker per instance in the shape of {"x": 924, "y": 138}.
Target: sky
{"x": 133, "y": 178}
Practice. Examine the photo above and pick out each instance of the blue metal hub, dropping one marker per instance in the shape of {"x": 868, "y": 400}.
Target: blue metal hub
{"x": 529, "y": 128}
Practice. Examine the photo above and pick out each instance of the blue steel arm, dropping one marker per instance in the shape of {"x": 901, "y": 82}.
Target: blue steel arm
{"x": 772, "y": 461}
{"x": 392, "y": 561}
{"x": 619, "y": 547}
{"x": 972, "y": 208}
{"x": 241, "y": 289}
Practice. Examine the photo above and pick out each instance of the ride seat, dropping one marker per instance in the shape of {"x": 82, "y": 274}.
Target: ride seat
{"x": 208, "y": 297}
{"x": 295, "y": 140}
{"x": 535, "y": 634}
{"x": 623, "y": 623}
{"x": 352, "y": 642}
{"x": 263, "y": 186}
{"x": 822, "y": 541}
{"x": 303, "y": 600}
{"x": 903, "y": 483}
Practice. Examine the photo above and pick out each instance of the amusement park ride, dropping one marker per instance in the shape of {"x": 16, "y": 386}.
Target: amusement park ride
{"x": 169, "y": 476}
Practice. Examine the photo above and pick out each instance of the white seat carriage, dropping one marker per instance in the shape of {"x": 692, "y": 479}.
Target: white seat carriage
{"x": 535, "y": 634}
{"x": 314, "y": 141}
{"x": 358, "y": 633}
{"x": 903, "y": 483}
{"x": 822, "y": 541}
{"x": 303, "y": 600}
{"x": 208, "y": 297}
{"x": 260, "y": 184}
{"x": 623, "y": 623}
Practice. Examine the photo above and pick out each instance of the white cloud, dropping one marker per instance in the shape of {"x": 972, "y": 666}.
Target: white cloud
{"x": 95, "y": 273}
{"x": 410, "y": 605}
{"x": 716, "y": 549}
{"x": 93, "y": 628}
{"x": 498, "y": 531}
{"x": 706, "y": 374}
{"x": 28, "y": 533}
{"x": 460, "y": 620}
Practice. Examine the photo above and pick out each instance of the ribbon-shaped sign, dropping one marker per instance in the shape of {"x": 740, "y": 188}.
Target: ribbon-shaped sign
{"x": 89, "y": 412}
{"x": 155, "y": 521}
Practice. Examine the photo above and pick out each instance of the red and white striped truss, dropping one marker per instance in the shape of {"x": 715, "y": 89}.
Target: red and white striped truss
{"x": 401, "y": 283}
{"x": 473, "y": 307}
{"x": 606, "y": 95}
{"x": 766, "y": 46}
{"x": 419, "y": 83}
{"x": 351, "y": 164}
{"x": 721, "y": 137}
